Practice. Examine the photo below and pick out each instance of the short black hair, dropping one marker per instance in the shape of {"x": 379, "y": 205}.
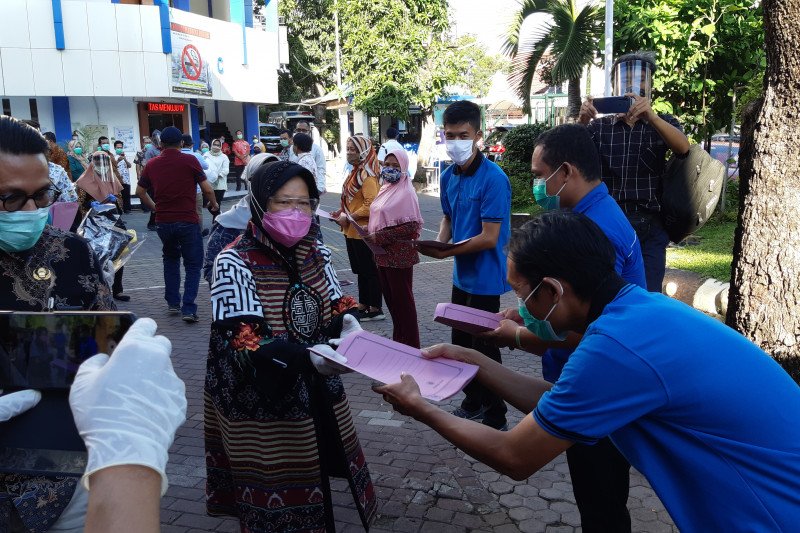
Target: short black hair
{"x": 392, "y": 133}
{"x": 566, "y": 245}
{"x": 187, "y": 140}
{"x": 303, "y": 141}
{"x": 238, "y": 131}
{"x": 118, "y": 143}
{"x": 18, "y": 138}
{"x": 50, "y": 136}
{"x": 285, "y": 132}
{"x": 463, "y": 111}
{"x": 100, "y": 139}
{"x": 573, "y": 144}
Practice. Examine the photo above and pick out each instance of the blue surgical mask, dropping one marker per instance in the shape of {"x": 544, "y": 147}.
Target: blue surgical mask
{"x": 20, "y": 230}
{"x": 541, "y": 328}
{"x": 391, "y": 174}
{"x": 539, "y": 190}
{"x": 106, "y": 147}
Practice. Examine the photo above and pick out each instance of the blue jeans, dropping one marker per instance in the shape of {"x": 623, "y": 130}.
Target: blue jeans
{"x": 654, "y": 241}
{"x": 181, "y": 239}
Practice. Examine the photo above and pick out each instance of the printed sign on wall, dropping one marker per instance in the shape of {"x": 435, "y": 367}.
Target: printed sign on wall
{"x": 190, "y": 60}
{"x": 126, "y": 136}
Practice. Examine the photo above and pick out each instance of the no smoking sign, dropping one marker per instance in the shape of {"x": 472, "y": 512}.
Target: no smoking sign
{"x": 191, "y": 62}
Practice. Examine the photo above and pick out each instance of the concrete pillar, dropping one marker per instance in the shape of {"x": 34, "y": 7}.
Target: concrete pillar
{"x": 250, "y": 121}
{"x": 360, "y": 123}
{"x": 344, "y": 130}
{"x": 194, "y": 119}
{"x": 61, "y": 118}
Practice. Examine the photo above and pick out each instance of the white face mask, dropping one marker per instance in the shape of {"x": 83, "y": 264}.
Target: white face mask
{"x": 459, "y": 151}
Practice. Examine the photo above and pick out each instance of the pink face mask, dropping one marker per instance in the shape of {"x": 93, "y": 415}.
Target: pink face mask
{"x": 288, "y": 226}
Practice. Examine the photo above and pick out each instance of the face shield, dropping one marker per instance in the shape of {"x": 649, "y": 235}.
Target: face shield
{"x": 633, "y": 76}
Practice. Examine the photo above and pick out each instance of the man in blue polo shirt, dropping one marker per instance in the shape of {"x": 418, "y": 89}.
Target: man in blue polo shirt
{"x": 708, "y": 417}
{"x": 476, "y": 202}
{"x": 566, "y": 170}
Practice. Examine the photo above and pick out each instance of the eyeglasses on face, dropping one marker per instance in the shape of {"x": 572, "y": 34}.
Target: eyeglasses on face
{"x": 41, "y": 198}
{"x": 306, "y": 205}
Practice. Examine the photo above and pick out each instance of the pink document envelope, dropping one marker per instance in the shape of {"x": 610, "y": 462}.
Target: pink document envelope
{"x": 324, "y": 214}
{"x": 465, "y": 318}
{"x": 63, "y": 214}
{"x": 383, "y": 360}
{"x": 436, "y": 245}
{"x": 362, "y": 231}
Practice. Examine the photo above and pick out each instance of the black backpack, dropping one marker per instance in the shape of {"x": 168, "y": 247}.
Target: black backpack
{"x": 692, "y": 186}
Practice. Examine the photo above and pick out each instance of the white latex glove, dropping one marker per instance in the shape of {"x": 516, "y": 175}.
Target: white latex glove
{"x": 350, "y": 325}
{"x": 17, "y": 403}
{"x": 128, "y": 407}
{"x": 325, "y": 366}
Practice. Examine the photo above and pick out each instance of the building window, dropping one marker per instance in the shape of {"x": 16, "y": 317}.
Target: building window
{"x": 34, "y": 109}
{"x": 7, "y": 107}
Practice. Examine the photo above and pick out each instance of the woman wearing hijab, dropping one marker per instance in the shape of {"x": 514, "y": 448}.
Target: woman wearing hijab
{"x": 395, "y": 221}
{"x": 232, "y": 223}
{"x": 270, "y": 304}
{"x": 358, "y": 192}
{"x": 101, "y": 182}
{"x": 217, "y": 173}
{"x": 76, "y": 157}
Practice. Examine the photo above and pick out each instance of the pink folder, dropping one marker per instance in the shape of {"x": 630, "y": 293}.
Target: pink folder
{"x": 324, "y": 214}
{"x": 363, "y": 232}
{"x": 383, "y": 360}
{"x": 436, "y": 245}
{"x": 465, "y": 318}
{"x": 63, "y": 214}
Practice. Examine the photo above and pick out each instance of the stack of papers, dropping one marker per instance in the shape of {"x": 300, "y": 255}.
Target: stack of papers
{"x": 384, "y": 360}
{"x": 468, "y": 319}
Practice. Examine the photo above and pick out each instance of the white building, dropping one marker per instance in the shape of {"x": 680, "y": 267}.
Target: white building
{"x": 123, "y": 68}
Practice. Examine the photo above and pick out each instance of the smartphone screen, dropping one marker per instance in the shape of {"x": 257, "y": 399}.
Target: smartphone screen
{"x": 44, "y": 350}
{"x": 612, "y": 104}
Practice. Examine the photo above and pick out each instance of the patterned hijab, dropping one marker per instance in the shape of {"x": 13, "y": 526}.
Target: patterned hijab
{"x": 98, "y": 179}
{"x": 367, "y": 166}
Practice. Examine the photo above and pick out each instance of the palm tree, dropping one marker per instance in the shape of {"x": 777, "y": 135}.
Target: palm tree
{"x": 571, "y": 36}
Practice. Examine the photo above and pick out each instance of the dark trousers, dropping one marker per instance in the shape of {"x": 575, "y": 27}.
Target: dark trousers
{"x": 219, "y": 195}
{"x": 654, "y": 241}
{"x": 397, "y": 285}
{"x": 238, "y": 169}
{"x": 600, "y": 478}
{"x": 181, "y": 240}
{"x": 126, "y": 198}
{"x": 116, "y": 288}
{"x": 477, "y": 395}
{"x": 362, "y": 263}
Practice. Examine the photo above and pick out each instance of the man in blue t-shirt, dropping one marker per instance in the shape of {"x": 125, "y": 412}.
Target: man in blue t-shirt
{"x": 566, "y": 171}
{"x": 709, "y": 418}
{"x": 476, "y": 202}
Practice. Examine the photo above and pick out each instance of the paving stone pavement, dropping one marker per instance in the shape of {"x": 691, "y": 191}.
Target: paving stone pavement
{"x": 423, "y": 483}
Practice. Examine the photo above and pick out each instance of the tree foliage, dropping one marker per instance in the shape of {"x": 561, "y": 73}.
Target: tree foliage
{"x": 705, "y": 48}
{"x": 571, "y": 36}
{"x": 396, "y": 54}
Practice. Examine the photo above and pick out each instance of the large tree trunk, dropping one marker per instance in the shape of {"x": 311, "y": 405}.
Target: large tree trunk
{"x": 573, "y": 97}
{"x": 765, "y": 284}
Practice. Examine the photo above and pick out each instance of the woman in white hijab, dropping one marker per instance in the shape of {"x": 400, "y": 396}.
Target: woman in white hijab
{"x": 232, "y": 223}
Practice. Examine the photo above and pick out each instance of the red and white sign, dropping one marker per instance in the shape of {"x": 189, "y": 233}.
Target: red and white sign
{"x": 191, "y": 62}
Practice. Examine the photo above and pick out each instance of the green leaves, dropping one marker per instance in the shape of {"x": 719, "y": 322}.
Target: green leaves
{"x": 720, "y": 42}
{"x": 572, "y": 36}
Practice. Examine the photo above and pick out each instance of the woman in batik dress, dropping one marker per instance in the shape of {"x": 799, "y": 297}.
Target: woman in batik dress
{"x": 277, "y": 421}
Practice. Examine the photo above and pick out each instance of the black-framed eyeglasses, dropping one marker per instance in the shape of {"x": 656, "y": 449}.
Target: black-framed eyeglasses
{"x": 42, "y": 198}
{"x": 301, "y": 130}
